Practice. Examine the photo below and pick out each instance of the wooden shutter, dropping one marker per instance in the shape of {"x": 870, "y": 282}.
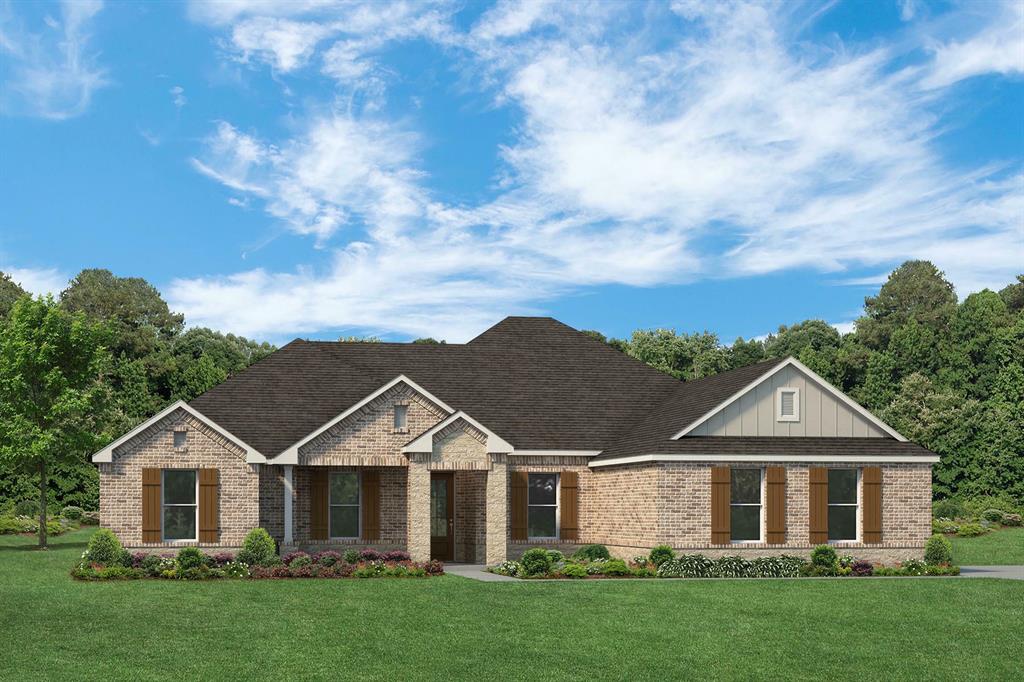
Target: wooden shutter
{"x": 775, "y": 512}
{"x": 570, "y": 501}
{"x": 520, "y": 510}
{"x": 818, "y": 499}
{"x": 318, "y": 502}
{"x": 209, "y": 511}
{"x": 151, "y": 505}
{"x": 371, "y": 505}
{"x": 721, "y": 531}
{"x": 871, "y": 478}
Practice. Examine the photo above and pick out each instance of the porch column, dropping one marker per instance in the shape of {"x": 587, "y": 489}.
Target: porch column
{"x": 497, "y": 509}
{"x": 289, "y": 487}
{"x": 418, "y": 507}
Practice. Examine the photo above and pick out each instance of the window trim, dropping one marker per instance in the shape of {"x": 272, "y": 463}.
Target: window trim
{"x": 795, "y": 417}
{"x": 557, "y": 505}
{"x": 396, "y": 427}
{"x": 163, "y": 504}
{"x": 358, "y": 505}
{"x": 761, "y": 518}
{"x": 857, "y": 506}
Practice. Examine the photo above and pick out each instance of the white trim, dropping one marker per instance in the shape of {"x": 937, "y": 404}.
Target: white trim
{"x": 194, "y": 505}
{"x": 425, "y": 441}
{"x": 791, "y": 361}
{"x": 856, "y": 506}
{"x": 558, "y": 507}
{"x": 556, "y": 453}
{"x": 358, "y": 505}
{"x": 845, "y": 459}
{"x": 289, "y": 491}
{"x": 290, "y": 455}
{"x": 779, "y": 392}
{"x": 762, "y": 483}
{"x": 252, "y": 455}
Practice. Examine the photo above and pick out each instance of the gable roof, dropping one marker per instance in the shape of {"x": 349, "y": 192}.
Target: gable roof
{"x": 539, "y": 383}
{"x": 425, "y": 441}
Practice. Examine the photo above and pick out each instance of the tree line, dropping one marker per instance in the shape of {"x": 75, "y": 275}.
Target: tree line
{"x": 107, "y": 353}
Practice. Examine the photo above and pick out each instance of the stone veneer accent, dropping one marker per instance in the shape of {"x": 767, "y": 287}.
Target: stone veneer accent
{"x": 418, "y": 507}
{"x": 459, "y": 446}
{"x": 121, "y": 479}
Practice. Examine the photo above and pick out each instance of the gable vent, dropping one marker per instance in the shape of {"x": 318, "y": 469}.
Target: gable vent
{"x": 788, "y": 404}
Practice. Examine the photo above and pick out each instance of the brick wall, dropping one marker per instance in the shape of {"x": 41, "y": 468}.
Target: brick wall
{"x": 470, "y": 516}
{"x": 121, "y": 479}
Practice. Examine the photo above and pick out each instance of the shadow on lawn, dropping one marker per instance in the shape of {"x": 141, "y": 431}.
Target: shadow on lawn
{"x": 35, "y": 547}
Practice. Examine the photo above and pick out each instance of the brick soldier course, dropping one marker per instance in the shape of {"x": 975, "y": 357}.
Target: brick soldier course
{"x": 528, "y": 396}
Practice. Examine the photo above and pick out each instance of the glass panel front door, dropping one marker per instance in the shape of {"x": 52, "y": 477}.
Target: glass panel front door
{"x": 442, "y": 519}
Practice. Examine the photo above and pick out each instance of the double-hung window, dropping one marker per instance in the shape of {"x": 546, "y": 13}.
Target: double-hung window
{"x": 842, "y": 504}
{"x": 542, "y": 501}
{"x": 344, "y": 505}
{"x": 179, "y": 504}
{"x": 745, "y": 505}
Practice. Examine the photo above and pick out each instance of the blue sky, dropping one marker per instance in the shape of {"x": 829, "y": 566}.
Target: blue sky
{"x": 320, "y": 168}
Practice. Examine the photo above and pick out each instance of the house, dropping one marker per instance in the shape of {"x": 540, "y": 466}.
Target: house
{"x": 531, "y": 434}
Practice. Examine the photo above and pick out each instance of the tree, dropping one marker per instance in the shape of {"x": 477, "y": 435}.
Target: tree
{"x": 618, "y": 344}
{"x": 684, "y": 356}
{"x": 360, "y": 339}
{"x": 916, "y": 290}
{"x": 814, "y": 334}
{"x": 743, "y": 353}
{"x": 52, "y": 391}
{"x": 10, "y": 291}
{"x": 1013, "y": 295}
{"x": 430, "y": 341}
{"x": 197, "y": 378}
{"x": 228, "y": 352}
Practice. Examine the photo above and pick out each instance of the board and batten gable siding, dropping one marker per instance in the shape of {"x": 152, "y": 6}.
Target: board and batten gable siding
{"x": 821, "y": 413}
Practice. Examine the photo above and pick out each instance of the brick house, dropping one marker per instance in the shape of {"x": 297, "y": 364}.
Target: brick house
{"x": 530, "y": 434}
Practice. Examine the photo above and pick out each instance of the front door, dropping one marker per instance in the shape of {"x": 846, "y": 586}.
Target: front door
{"x": 442, "y": 516}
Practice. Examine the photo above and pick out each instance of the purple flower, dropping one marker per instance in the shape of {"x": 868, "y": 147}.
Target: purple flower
{"x": 369, "y": 555}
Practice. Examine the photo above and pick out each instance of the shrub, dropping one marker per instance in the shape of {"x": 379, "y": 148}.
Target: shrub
{"x": 327, "y": 558}
{"x": 221, "y": 559}
{"x": 1011, "y": 520}
{"x": 845, "y": 561}
{"x": 731, "y": 567}
{"x": 90, "y": 518}
{"x": 641, "y": 560}
{"x": 942, "y": 570}
{"x": 938, "y": 550}
{"x": 992, "y": 515}
{"x": 17, "y": 524}
{"x": 687, "y": 566}
{"x": 792, "y": 566}
{"x": 235, "y": 569}
{"x": 369, "y": 555}
{"x": 396, "y": 555}
{"x": 510, "y": 568}
{"x": 257, "y": 547}
{"x": 200, "y": 572}
{"x": 970, "y": 530}
{"x": 288, "y": 558}
{"x": 976, "y": 506}
{"x": 592, "y": 552}
{"x": 615, "y": 567}
{"x": 72, "y": 512}
{"x": 351, "y": 556}
{"x": 435, "y": 567}
{"x": 104, "y": 548}
{"x": 27, "y": 508}
{"x": 661, "y": 554}
{"x": 945, "y": 526}
{"x": 824, "y": 556}
{"x": 189, "y": 558}
{"x": 913, "y": 567}
{"x": 301, "y": 561}
{"x": 862, "y": 568}
{"x": 595, "y": 567}
{"x": 153, "y": 565}
{"x": 770, "y": 567}
{"x": 536, "y": 561}
{"x": 555, "y": 556}
{"x": 574, "y": 571}
{"x": 948, "y": 508}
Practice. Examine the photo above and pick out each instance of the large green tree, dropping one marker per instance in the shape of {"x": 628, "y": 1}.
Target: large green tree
{"x": 916, "y": 290}
{"x": 52, "y": 392}
{"x": 10, "y": 291}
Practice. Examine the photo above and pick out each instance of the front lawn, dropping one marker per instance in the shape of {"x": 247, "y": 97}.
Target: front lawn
{"x": 998, "y": 548}
{"x": 450, "y": 627}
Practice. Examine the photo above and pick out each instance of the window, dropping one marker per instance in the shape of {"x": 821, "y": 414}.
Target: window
{"x": 542, "y": 500}
{"x": 344, "y": 505}
{"x": 745, "y": 505}
{"x": 842, "y": 504}
{"x": 401, "y": 417}
{"x": 179, "y": 504}
{"x": 787, "y": 404}
{"x": 180, "y": 438}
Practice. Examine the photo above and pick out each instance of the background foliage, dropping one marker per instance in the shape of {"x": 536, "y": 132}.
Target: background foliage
{"x": 947, "y": 374}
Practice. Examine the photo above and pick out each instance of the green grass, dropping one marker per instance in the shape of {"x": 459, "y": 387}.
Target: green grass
{"x": 454, "y": 628}
{"x": 998, "y": 548}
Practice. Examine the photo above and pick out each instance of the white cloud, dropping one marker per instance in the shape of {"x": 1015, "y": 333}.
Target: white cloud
{"x": 645, "y": 155}
{"x": 997, "y": 47}
{"x": 52, "y": 74}
{"x": 38, "y": 281}
{"x": 178, "y": 96}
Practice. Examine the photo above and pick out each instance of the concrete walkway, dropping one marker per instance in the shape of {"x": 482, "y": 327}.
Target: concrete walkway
{"x": 1009, "y": 572}
{"x": 477, "y": 572}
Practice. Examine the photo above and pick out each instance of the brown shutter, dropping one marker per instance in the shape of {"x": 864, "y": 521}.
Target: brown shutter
{"x": 871, "y": 477}
{"x": 570, "y": 502}
{"x": 775, "y": 514}
{"x": 520, "y": 510}
{"x": 318, "y": 502}
{"x": 209, "y": 511}
{"x": 818, "y": 499}
{"x": 371, "y": 505}
{"x": 721, "y": 530}
{"x": 150, "y": 505}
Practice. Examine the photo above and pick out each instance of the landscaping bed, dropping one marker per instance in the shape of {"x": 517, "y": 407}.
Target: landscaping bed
{"x": 23, "y": 519}
{"x": 106, "y": 559}
{"x": 595, "y": 562}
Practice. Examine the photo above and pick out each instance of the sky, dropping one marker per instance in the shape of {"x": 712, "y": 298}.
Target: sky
{"x": 321, "y": 169}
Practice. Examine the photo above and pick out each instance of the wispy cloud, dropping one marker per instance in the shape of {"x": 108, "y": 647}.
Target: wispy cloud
{"x": 51, "y": 73}
{"x": 653, "y": 148}
{"x": 178, "y": 96}
{"x": 996, "y": 46}
{"x": 38, "y": 281}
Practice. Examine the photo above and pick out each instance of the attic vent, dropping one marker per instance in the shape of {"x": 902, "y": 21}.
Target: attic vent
{"x": 788, "y": 402}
